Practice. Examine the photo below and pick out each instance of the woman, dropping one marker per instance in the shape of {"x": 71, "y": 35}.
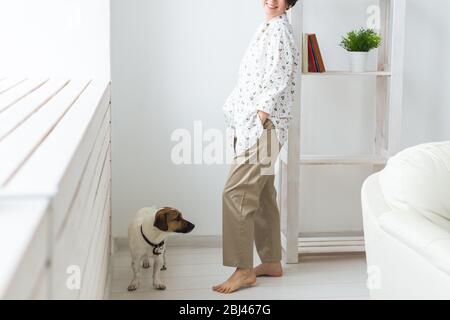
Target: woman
{"x": 258, "y": 114}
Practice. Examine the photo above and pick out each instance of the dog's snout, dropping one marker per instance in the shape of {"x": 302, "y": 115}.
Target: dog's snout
{"x": 189, "y": 227}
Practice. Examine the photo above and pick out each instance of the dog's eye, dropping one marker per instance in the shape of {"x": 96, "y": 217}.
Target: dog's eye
{"x": 178, "y": 218}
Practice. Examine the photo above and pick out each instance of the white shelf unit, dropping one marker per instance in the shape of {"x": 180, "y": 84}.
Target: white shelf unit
{"x": 389, "y": 85}
{"x": 347, "y": 73}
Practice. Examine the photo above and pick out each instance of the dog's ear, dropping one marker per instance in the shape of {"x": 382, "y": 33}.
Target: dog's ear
{"x": 161, "y": 219}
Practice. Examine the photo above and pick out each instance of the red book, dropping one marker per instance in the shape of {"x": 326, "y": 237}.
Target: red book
{"x": 317, "y": 54}
{"x": 311, "y": 62}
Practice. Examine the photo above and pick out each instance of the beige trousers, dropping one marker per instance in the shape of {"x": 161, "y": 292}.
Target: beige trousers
{"x": 250, "y": 210}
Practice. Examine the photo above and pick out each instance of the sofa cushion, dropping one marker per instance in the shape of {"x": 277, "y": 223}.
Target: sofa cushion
{"x": 418, "y": 179}
{"x": 418, "y": 233}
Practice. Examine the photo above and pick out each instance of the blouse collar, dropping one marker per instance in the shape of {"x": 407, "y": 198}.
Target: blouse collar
{"x": 281, "y": 16}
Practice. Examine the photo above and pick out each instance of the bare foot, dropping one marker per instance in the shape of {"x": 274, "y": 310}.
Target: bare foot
{"x": 240, "y": 278}
{"x": 269, "y": 269}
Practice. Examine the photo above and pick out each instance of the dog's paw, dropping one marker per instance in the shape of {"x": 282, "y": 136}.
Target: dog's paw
{"x": 133, "y": 286}
{"x": 159, "y": 286}
{"x": 146, "y": 264}
{"x": 164, "y": 267}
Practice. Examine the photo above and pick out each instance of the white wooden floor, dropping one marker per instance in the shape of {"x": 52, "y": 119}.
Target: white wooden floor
{"x": 191, "y": 272}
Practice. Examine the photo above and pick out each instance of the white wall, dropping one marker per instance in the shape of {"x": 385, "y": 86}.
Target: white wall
{"x": 177, "y": 62}
{"x": 55, "y": 38}
{"x": 173, "y": 62}
{"x": 427, "y": 72}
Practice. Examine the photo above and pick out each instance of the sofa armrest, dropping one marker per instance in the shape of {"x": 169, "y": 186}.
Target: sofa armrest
{"x": 420, "y": 234}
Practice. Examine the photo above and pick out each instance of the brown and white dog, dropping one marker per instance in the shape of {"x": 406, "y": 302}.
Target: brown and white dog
{"x": 146, "y": 239}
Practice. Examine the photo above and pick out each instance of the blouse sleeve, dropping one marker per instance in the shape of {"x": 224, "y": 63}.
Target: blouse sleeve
{"x": 280, "y": 64}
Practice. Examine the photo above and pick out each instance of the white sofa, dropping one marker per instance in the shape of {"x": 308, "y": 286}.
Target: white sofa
{"x": 406, "y": 212}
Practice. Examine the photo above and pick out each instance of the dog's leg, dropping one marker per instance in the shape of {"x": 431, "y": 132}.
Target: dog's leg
{"x": 136, "y": 266}
{"x": 157, "y": 263}
{"x": 164, "y": 267}
{"x": 146, "y": 261}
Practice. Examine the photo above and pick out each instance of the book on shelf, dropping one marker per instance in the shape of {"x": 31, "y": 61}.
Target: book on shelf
{"x": 317, "y": 53}
{"x": 314, "y": 54}
{"x": 312, "y": 57}
{"x": 311, "y": 63}
{"x": 305, "y": 54}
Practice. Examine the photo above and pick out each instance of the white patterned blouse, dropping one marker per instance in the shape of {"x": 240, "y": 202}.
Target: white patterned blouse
{"x": 266, "y": 82}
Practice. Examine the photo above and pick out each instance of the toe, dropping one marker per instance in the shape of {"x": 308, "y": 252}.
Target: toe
{"x": 222, "y": 289}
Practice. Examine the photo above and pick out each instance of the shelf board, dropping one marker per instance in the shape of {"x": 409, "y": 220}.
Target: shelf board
{"x": 342, "y": 160}
{"x": 348, "y": 73}
{"x": 331, "y": 249}
{"x": 329, "y": 243}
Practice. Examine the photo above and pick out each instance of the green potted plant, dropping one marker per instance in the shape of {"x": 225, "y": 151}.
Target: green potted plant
{"x": 358, "y": 43}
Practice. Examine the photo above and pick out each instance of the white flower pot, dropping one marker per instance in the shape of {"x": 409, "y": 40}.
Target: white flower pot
{"x": 358, "y": 61}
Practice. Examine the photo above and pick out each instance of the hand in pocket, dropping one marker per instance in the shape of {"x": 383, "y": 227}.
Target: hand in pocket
{"x": 263, "y": 116}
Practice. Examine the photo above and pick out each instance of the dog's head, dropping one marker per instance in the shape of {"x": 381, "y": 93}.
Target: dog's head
{"x": 171, "y": 220}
